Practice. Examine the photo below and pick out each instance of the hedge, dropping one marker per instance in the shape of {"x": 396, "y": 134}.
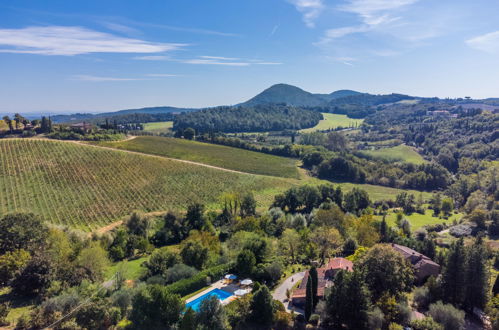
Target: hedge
{"x": 189, "y": 285}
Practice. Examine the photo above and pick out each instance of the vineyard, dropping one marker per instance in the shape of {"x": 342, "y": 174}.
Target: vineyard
{"x": 88, "y": 187}
{"x": 211, "y": 154}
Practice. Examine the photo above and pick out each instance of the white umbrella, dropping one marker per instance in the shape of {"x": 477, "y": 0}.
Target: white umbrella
{"x": 246, "y": 282}
{"x": 230, "y": 277}
{"x": 240, "y": 292}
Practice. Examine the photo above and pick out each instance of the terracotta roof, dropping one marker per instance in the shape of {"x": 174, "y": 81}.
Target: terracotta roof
{"x": 340, "y": 263}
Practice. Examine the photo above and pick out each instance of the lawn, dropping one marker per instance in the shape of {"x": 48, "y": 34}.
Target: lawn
{"x": 158, "y": 127}
{"x": 331, "y": 121}
{"x": 134, "y": 269}
{"x": 399, "y": 153}
{"x": 211, "y": 154}
{"x": 419, "y": 220}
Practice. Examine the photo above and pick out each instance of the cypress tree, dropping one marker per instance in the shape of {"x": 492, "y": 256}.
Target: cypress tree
{"x": 383, "y": 229}
{"x": 315, "y": 281}
{"x": 454, "y": 275}
{"x": 477, "y": 278}
{"x": 309, "y": 300}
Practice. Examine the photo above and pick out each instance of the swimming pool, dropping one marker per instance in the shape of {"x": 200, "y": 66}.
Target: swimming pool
{"x": 221, "y": 294}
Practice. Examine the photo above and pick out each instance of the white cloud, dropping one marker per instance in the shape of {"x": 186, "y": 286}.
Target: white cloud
{"x": 84, "y": 77}
{"x": 488, "y": 42}
{"x": 74, "y": 40}
{"x": 226, "y": 61}
{"x": 152, "y": 58}
{"x": 367, "y": 8}
{"x": 120, "y": 28}
{"x": 220, "y": 58}
{"x": 310, "y": 9}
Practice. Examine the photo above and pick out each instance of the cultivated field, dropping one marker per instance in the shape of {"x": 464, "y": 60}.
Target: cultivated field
{"x": 211, "y": 154}
{"x": 398, "y": 153}
{"x": 158, "y": 127}
{"x": 331, "y": 121}
{"x": 87, "y": 187}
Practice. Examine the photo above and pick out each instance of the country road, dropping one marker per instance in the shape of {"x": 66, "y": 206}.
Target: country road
{"x": 280, "y": 292}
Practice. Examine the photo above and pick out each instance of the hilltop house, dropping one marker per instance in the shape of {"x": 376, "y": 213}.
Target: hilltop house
{"x": 423, "y": 266}
{"x": 325, "y": 276}
{"x": 81, "y": 127}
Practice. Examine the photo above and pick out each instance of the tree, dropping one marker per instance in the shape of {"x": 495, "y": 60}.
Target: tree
{"x": 188, "y": 320}
{"x": 97, "y": 315}
{"x": 94, "y": 260}
{"x": 189, "y": 133}
{"x": 349, "y": 247}
{"x": 447, "y": 315}
{"x": 289, "y": 243}
{"x": 35, "y": 278}
{"x": 447, "y": 206}
{"x": 348, "y": 302}
{"x": 328, "y": 241}
{"x": 160, "y": 261}
{"x": 309, "y": 299}
{"x": 154, "y": 307}
{"x": 11, "y": 263}
{"x": 211, "y": 315}
{"x": 195, "y": 216}
{"x": 262, "y": 307}
{"x": 248, "y": 205}
{"x": 388, "y": 271}
{"x": 478, "y": 217}
{"x": 246, "y": 262}
{"x": 8, "y": 121}
{"x": 336, "y": 142}
{"x": 315, "y": 282}
{"x": 138, "y": 225}
{"x": 194, "y": 254}
{"x": 477, "y": 276}
{"x": 454, "y": 274}
{"x": 22, "y": 231}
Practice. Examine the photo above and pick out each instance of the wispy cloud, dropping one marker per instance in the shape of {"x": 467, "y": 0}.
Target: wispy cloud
{"x": 310, "y": 9}
{"x": 274, "y": 30}
{"x": 226, "y": 61}
{"x": 152, "y": 58}
{"x": 120, "y": 28}
{"x": 84, "y": 77}
{"x": 74, "y": 40}
{"x": 488, "y": 42}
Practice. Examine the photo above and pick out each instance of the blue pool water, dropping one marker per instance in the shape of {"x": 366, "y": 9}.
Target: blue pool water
{"x": 221, "y": 294}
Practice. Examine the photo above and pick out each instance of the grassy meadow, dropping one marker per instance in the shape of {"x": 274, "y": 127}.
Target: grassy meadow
{"x": 158, "y": 127}
{"x": 211, "y": 154}
{"x": 331, "y": 121}
{"x": 418, "y": 220}
{"x": 87, "y": 187}
{"x": 399, "y": 153}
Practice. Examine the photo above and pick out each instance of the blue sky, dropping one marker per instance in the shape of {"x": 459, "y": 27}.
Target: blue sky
{"x": 96, "y": 55}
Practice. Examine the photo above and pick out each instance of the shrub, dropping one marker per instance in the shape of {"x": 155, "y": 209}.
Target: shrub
{"x": 426, "y": 324}
{"x": 422, "y": 297}
{"x": 189, "y": 285}
{"x": 447, "y": 315}
{"x": 461, "y": 230}
{"x": 179, "y": 272}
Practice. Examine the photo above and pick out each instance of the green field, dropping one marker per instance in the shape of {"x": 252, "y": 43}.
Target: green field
{"x": 158, "y": 127}
{"x": 331, "y": 121}
{"x": 211, "y": 154}
{"x": 419, "y": 220}
{"x": 398, "y": 153}
{"x": 87, "y": 187}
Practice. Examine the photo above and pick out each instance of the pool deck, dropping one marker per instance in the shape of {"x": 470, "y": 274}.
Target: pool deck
{"x": 231, "y": 288}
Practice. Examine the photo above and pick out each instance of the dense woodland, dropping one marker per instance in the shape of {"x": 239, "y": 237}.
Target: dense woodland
{"x": 247, "y": 119}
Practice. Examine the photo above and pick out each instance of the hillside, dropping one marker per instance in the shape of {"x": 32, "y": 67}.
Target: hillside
{"x": 288, "y": 94}
{"x": 211, "y": 154}
{"x": 87, "y": 187}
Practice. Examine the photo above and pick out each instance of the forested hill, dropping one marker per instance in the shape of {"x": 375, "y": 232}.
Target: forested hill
{"x": 104, "y": 115}
{"x": 248, "y": 119}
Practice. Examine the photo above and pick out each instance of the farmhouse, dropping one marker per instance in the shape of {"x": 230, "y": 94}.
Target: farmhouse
{"x": 325, "y": 276}
{"x": 424, "y": 267}
{"x": 82, "y": 127}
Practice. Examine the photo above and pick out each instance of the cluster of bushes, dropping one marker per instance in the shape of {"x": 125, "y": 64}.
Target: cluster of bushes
{"x": 70, "y": 135}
